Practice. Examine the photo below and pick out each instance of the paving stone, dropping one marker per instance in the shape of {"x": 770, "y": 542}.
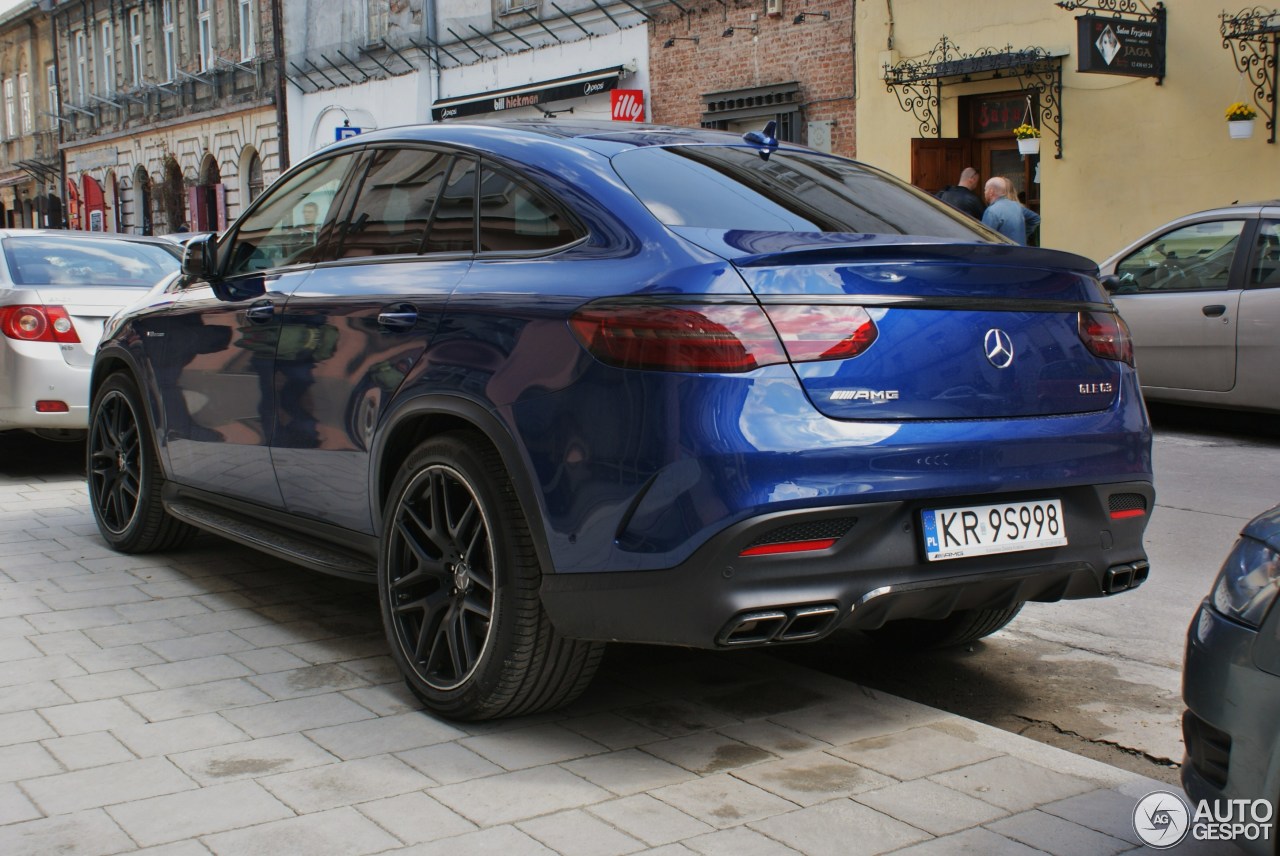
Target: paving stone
{"x": 14, "y": 808}
{"x": 676, "y": 718}
{"x": 282, "y": 717}
{"x": 707, "y": 752}
{"x": 930, "y": 806}
{"x": 196, "y": 647}
{"x": 203, "y": 698}
{"x": 66, "y": 642}
{"x": 265, "y": 660}
{"x": 510, "y": 797}
{"x": 722, "y": 800}
{"x": 628, "y": 771}
{"x": 23, "y": 726}
{"x": 198, "y": 671}
{"x": 63, "y": 601}
{"x": 384, "y": 735}
{"x": 415, "y": 818}
{"x": 772, "y": 738}
{"x": 1105, "y": 811}
{"x": 845, "y": 722}
{"x": 1011, "y": 783}
{"x": 650, "y": 820}
{"x": 812, "y": 777}
{"x": 136, "y": 633}
{"x": 498, "y": 841}
{"x": 449, "y": 763}
{"x": 739, "y": 841}
{"x": 577, "y": 833}
{"x": 87, "y": 750}
{"x": 310, "y": 680}
{"x": 216, "y": 808}
{"x": 27, "y": 606}
{"x": 212, "y": 621}
{"x": 839, "y": 828}
{"x": 105, "y": 685}
{"x": 336, "y": 649}
{"x": 24, "y": 698}
{"x": 340, "y": 832}
{"x": 75, "y": 619}
{"x": 178, "y": 848}
{"x": 915, "y": 753}
{"x": 251, "y": 759}
{"x": 17, "y": 648}
{"x": 612, "y": 731}
{"x": 179, "y": 735}
{"x": 10, "y": 627}
{"x": 27, "y": 761}
{"x": 380, "y": 669}
{"x": 386, "y": 700}
{"x": 972, "y": 842}
{"x": 87, "y": 833}
{"x": 530, "y": 747}
{"x": 91, "y": 581}
{"x": 345, "y": 783}
{"x": 38, "y": 669}
{"x": 172, "y": 607}
{"x": 1057, "y": 836}
{"x": 113, "y": 659}
{"x": 106, "y": 785}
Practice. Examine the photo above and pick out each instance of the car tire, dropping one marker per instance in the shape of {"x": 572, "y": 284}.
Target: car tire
{"x": 458, "y": 582}
{"x": 958, "y": 628}
{"x": 124, "y": 473}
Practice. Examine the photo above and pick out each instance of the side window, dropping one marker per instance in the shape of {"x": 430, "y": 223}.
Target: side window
{"x": 1194, "y": 258}
{"x": 394, "y": 203}
{"x": 515, "y": 219}
{"x": 286, "y": 228}
{"x": 1264, "y": 271}
{"x": 454, "y": 225}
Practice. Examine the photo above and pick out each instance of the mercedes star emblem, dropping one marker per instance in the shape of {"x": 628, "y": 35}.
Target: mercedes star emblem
{"x": 998, "y": 347}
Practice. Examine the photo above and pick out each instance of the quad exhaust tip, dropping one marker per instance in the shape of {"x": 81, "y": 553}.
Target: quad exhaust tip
{"x": 784, "y": 624}
{"x": 1120, "y": 578}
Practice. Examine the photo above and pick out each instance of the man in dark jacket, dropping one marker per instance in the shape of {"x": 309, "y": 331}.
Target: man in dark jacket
{"x": 964, "y": 197}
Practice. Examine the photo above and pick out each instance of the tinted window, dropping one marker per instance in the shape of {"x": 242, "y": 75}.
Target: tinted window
{"x": 1264, "y": 272}
{"x": 1193, "y": 258}
{"x": 286, "y": 228}
{"x": 453, "y": 227}
{"x": 515, "y": 219}
{"x": 394, "y": 203}
{"x": 87, "y": 262}
{"x": 723, "y": 187}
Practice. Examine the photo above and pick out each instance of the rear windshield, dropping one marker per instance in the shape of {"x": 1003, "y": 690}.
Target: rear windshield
{"x": 725, "y": 187}
{"x": 53, "y": 260}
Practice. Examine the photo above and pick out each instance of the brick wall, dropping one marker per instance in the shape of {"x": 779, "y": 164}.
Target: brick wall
{"x": 817, "y": 53}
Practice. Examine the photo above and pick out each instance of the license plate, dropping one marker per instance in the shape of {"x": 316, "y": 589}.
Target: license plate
{"x": 980, "y": 530}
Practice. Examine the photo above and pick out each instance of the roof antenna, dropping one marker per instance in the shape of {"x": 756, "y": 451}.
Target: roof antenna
{"x": 765, "y": 139}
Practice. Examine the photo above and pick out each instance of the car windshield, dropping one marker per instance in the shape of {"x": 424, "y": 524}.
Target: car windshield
{"x": 726, "y": 187}
{"x": 54, "y": 260}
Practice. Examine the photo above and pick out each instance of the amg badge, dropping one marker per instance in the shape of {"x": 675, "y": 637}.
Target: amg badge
{"x": 873, "y": 395}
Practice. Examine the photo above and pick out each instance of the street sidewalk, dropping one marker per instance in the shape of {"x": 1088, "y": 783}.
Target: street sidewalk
{"x": 217, "y": 701}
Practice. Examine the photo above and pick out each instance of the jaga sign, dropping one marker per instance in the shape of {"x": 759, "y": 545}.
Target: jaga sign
{"x": 1120, "y": 46}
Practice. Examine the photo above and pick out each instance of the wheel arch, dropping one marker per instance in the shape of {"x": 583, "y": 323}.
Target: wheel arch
{"x": 417, "y": 420}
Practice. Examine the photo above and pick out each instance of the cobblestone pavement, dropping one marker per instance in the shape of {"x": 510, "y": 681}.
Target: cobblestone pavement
{"x": 216, "y": 701}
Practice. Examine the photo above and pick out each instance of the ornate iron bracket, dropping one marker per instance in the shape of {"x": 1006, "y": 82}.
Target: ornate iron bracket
{"x": 1119, "y": 8}
{"x": 917, "y": 84}
{"x": 1253, "y": 36}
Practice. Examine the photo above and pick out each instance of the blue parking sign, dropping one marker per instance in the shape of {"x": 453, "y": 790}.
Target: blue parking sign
{"x": 344, "y": 131}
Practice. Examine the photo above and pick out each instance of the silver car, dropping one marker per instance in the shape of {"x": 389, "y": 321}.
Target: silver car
{"x": 57, "y": 289}
{"x": 1201, "y": 296}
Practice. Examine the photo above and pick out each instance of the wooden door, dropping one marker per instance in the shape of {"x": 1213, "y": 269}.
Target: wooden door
{"x": 936, "y": 163}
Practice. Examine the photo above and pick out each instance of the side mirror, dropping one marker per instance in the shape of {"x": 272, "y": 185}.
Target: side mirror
{"x": 200, "y": 257}
{"x": 1111, "y": 283}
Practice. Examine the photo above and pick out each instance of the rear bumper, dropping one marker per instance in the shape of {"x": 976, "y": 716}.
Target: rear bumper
{"x": 875, "y": 572}
{"x": 37, "y": 371}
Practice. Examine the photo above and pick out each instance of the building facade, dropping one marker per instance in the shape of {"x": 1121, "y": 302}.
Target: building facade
{"x": 167, "y": 111}
{"x": 1130, "y": 107}
{"x": 738, "y": 64}
{"x": 30, "y": 165}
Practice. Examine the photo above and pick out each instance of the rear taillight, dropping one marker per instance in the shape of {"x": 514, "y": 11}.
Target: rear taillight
{"x": 1106, "y": 335}
{"x": 713, "y": 337}
{"x": 813, "y": 333}
{"x": 37, "y": 324}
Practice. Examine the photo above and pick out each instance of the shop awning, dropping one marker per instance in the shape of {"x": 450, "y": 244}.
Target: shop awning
{"x": 529, "y": 95}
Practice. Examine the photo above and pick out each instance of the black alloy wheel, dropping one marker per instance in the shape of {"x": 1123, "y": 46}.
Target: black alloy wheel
{"x": 124, "y": 473}
{"x": 458, "y": 583}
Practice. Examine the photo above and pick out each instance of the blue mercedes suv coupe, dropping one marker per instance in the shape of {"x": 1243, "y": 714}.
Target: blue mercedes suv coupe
{"x": 553, "y": 384}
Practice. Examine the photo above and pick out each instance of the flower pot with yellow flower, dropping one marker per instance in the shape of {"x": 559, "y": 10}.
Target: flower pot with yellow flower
{"x": 1028, "y": 139}
{"x": 1240, "y": 120}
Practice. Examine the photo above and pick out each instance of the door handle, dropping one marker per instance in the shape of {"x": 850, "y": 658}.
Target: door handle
{"x": 401, "y": 317}
{"x": 1214, "y": 310}
{"x": 261, "y": 312}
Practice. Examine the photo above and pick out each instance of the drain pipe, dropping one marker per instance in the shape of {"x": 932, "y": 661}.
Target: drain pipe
{"x": 282, "y": 107}
{"x": 434, "y": 62}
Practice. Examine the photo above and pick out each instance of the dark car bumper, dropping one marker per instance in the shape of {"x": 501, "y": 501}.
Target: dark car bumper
{"x": 875, "y": 572}
{"x": 1231, "y": 747}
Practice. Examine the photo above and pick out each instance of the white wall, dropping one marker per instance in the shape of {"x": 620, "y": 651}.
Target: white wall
{"x": 370, "y": 105}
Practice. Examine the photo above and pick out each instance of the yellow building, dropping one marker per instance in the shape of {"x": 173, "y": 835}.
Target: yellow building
{"x": 941, "y": 85}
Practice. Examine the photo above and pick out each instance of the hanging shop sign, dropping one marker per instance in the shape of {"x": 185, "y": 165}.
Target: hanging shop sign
{"x": 532, "y": 95}
{"x": 626, "y": 105}
{"x": 1107, "y": 45}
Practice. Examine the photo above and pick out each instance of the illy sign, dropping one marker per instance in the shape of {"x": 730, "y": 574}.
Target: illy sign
{"x": 627, "y": 105}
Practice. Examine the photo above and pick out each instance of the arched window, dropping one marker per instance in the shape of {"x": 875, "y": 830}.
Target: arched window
{"x": 142, "y": 201}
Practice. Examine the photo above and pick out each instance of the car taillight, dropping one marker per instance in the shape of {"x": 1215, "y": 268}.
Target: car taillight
{"x": 38, "y": 324}
{"x": 1106, "y": 335}
{"x": 704, "y": 337}
{"x": 813, "y": 333}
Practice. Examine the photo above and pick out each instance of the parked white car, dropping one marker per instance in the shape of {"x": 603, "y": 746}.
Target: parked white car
{"x": 57, "y": 289}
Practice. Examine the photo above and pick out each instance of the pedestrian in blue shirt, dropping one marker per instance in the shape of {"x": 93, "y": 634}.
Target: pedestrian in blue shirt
{"x": 1007, "y": 216}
